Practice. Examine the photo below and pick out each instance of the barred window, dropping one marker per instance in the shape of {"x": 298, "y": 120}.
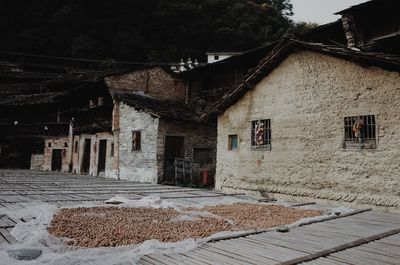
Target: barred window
{"x": 360, "y": 132}
{"x": 261, "y": 135}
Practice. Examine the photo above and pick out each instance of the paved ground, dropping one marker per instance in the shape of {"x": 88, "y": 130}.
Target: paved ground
{"x": 359, "y": 237}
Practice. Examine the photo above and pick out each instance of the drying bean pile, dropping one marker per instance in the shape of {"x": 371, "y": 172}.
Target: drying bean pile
{"x": 118, "y": 226}
{"x": 248, "y": 216}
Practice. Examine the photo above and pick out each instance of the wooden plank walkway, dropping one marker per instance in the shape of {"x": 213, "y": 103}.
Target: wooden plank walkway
{"x": 362, "y": 238}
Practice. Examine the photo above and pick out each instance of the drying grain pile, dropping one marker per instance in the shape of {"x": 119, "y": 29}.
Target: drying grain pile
{"x": 117, "y": 226}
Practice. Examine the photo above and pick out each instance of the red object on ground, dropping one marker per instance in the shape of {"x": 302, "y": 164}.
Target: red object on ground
{"x": 206, "y": 179}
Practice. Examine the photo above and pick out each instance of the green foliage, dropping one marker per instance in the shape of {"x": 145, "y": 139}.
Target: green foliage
{"x": 300, "y": 28}
{"x": 141, "y": 30}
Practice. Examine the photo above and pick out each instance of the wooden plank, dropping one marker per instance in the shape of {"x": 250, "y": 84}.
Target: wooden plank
{"x": 375, "y": 257}
{"x": 2, "y": 239}
{"x": 249, "y": 259}
{"x": 285, "y": 244}
{"x": 272, "y": 252}
{"x": 222, "y": 259}
{"x": 6, "y": 234}
{"x": 341, "y": 247}
{"x": 198, "y": 259}
{"x": 354, "y": 259}
{"x": 323, "y": 261}
{"x": 252, "y": 257}
{"x": 179, "y": 258}
{"x": 160, "y": 259}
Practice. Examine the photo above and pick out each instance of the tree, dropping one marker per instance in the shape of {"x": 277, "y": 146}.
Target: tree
{"x": 141, "y": 30}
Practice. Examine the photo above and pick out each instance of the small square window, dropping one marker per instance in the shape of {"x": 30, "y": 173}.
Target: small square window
{"x": 49, "y": 144}
{"x": 136, "y": 140}
{"x": 112, "y": 150}
{"x": 65, "y": 144}
{"x": 216, "y": 57}
{"x": 233, "y": 142}
{"x": 261, "y": 135}
{"x": 360, "y": 132}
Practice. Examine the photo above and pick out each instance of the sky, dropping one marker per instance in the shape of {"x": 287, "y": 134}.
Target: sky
{"x": 320, "y": 11}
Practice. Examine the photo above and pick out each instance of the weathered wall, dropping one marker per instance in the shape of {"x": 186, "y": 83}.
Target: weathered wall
{"x": 56, "y": 143}
{"x": 137, "y": 165}
{"x": 307, "y": 98}
{"x": 37, "y": 161}
{"x": 195, "y": 136}
{"x": 155, "y": 82}
{"x": 77, "y": 156}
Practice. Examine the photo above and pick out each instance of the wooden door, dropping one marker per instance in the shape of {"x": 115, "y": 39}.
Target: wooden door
{"x": 86, "y": 157}
{"x": 56, "y": 160}
{"x": 102, "y": 156}
{"x": 174, "y": 148}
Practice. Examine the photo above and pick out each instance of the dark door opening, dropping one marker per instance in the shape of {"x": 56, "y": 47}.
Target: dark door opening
{"x": 174, "y": 148}
{"x": 102, "y": 156}
{"x": 86, "y": 157}
{"x": 56, "y": 160}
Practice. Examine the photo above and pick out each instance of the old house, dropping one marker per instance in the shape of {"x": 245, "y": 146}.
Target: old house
{"x": 28, "y": 113}
{"x": 139, "y": 124}
{"x": 142, "y": 124}
{"x": 370, "y": 26}
{"x": 133, "y": 125}
{"x": 288, "y": 129}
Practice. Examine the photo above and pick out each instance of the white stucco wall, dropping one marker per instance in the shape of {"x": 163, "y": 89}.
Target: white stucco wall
{"x": 138, "y": 165}
{"x": 307, "y": 98}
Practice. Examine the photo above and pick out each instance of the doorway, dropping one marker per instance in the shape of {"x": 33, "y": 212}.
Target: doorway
{"x": 56, "y": 160}
{"x": 101, "y": 165}
{"x": 174, "y": 148}
{"x": 86, "y": 157}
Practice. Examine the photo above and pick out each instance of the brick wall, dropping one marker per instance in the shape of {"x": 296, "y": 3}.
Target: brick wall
{"x": 154, "y": 81}
{"x": 195, "y": 136}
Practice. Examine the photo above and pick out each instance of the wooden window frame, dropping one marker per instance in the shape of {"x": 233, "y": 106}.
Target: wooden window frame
{"x": 370, "y": 130}
{"x": 138, "y": 134}
{"x": 267, "y": 133}
{"x": 112, "y": 147}
{"x": 230, "y": 138}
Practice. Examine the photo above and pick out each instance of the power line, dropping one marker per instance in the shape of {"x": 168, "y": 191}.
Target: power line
{"x": 83, "y": 59}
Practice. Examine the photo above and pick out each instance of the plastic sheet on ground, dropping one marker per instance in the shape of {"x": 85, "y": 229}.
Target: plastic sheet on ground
{"x": 33, "y": 234}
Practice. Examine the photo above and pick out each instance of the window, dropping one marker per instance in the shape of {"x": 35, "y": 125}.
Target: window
{"x": 136, "y": 140}
{"x": 202, "y": 155}
{"x": 233, "y": 142}
{"x": 360, "y": 132}
{"x": 261, "y": 135}
{"x": 49, "y": 144}
{"x": 216, "y": 57}
{"x": 112, "y": 150}
{"x": 76, "y": 147}
{"x": 65, "y": 144}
